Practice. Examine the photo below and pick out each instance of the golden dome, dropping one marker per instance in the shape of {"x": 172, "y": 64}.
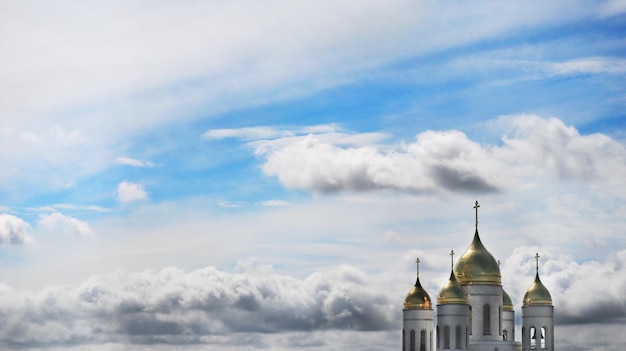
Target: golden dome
{"x": 452, "y": 292}
{"x": 418, "y": 298}
{"x": 537, "y": 294}
{"x": 477, "y": 265}
{"x": 507, "y": 304}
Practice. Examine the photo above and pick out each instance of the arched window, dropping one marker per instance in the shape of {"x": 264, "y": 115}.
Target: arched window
{"x": 523, "y": 338}
{"x": 430, "y": 344}
{"x": 543, "y": 338}
{"x": 423, "y": 340}
{"x": 412, "y": 341}
{"x": 457, "y": 337}
{"x": 500, "y": 320}
{"x": 470, "y": 324}
{"x": 505, "y": 335}
{"x": 403, "y": 340}
{"x": 486, "y": 319}
{"x": 533, "y": 338}
{"x": 446, "y": 337}
{"x": 438, "y": 338}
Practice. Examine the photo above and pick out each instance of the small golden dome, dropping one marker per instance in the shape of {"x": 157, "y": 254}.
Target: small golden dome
{"x": 452, "y": 292}
{"x": 477, "y": 265}
{"x": 537, "y": 294}
{"x": 507, "y": 304}
{"x": 418, "y": 298}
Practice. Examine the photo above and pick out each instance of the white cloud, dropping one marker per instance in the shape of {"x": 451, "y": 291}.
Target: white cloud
{"x": 57, "y": 222}
{"x": 593, "y": 65}
{"x": 249, "y": 133}
{"x": 266, "y": 132}
{"x": 134, "y": 163}
{"x": 93, "y": 208}
{"x": 129, "y": 192}
{"x": 14, "y": 231}
{"x": 449, "y": 161}
{"x": 583, "y": 65}
{"x": 582, "y": 293}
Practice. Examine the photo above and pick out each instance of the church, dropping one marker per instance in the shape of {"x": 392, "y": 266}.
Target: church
{"x": 473, "y": 310}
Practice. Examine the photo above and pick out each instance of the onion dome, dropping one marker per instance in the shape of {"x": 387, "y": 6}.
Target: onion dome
{"x": 418, "y": 298}
{"x": 452, "y": 292}
{"x": 507, "y": 304}
{"x": 477, "y": 265}
{"x": 537, "y": 294}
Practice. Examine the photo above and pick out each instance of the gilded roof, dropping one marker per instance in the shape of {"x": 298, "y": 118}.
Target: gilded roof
{"x": 452, "y": 292}
{"x": 537, "y": 294}
{"x": 477, "y": 265}
{"x": 418, "y": 298}
{"x": 507, "y": 304}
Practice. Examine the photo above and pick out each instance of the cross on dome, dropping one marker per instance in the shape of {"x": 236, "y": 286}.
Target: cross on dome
{"x": 417, "y": 261}
{"x": 476, "y": 206}
{"x": 452, "y": 259}
{"x": 537, "y": 261}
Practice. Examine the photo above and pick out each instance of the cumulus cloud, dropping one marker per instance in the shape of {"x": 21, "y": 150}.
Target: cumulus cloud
{"x": 129, "y": 192}
{"x": 176, "y": 307}
{"x": 57, "y": 222}
{"x": 582, "y": 293}
{"x": 14, "y": 231}
{"x": 449, "y": 161}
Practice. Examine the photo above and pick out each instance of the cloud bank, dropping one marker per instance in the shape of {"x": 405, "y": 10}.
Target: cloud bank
{"x": 175, "y": 307}
{"x": 212, "y": 306}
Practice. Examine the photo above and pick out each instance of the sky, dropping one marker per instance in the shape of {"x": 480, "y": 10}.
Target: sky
{"x": 221, "y": 175}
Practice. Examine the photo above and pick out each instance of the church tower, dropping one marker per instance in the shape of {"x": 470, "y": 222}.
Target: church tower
{"x": 417, "y": 318}
{"x": 453, "y": 315}
{"x": 537, "y": 316}
{"x": 479, "y": 274}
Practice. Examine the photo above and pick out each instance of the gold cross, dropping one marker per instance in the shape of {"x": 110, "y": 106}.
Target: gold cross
{"x": 537, "y": 260}
{"x": 417, "y": 261}
{"x": 452, "y": 259}
{"x": 476, "y": 206}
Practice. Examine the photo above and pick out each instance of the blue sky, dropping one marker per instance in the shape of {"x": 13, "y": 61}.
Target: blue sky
{"x": 284, "y": 159}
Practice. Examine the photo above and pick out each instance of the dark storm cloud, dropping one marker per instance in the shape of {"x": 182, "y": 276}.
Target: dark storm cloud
{"x": 174, "y": 307}
{"x": 456, "y": 180}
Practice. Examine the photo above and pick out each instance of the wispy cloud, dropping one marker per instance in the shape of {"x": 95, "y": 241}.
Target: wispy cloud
{"x": 72, "y": 207}
{"x": 135, "y": 163}
{"x": 583, "y": 65}
{"x": 267, "y": 132}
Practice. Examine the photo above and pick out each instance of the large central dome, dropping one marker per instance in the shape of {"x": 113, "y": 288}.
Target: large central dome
{"x": 477, "y": 265}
